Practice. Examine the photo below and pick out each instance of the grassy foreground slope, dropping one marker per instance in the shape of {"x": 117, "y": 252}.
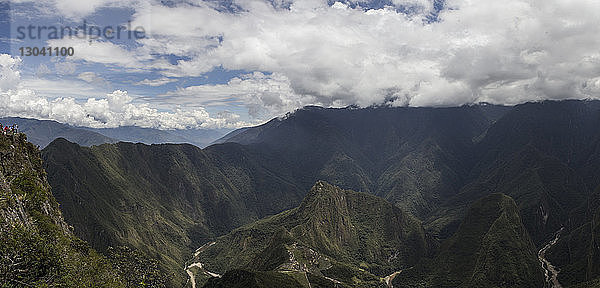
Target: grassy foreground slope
{"x": 37, "y": 247}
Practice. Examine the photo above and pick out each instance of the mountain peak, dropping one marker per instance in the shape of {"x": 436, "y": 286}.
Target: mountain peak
{"x": 321, "y": 191}
{"x": 333, "y": 233}
{"x": 325, "y": 210}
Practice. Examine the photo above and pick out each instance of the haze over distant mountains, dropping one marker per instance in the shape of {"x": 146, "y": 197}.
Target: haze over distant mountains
{"x": 42, "y": 132}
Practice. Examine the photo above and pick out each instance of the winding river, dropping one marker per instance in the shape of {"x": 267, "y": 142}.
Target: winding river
{"x": 550, "y": 271}
{"x": 188, "y": 268}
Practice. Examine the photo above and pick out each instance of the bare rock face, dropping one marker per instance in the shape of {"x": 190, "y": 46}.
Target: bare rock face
{"x": 24, "y": 189}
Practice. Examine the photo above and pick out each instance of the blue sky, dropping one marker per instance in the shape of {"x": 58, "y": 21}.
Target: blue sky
{"x": 215, "y": 64}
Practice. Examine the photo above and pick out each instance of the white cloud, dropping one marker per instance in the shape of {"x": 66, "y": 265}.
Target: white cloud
{"x": 65, "y": 67}
{"x": 263, "y": 95}
{"x": 57, "y": 88}
{"x": 503, "y": 52}
{"x": 9, "y": 74}
{"x": 89, "y": 77}
{"x": 76, "y": 9}
{"x": 96, "y": 51}
{"x": 115, "y": 109}
{"x": 156, "y": 82}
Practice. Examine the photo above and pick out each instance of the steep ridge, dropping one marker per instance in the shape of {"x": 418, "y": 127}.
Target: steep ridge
{"x": 545, "y": 189}
{"x": 491, "y": 248}
{"x": 435, "y": 162}
{"x": 334, "y": 235}
{"x": 167, "y": 200}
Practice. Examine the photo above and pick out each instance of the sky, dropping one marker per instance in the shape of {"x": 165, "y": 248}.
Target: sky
{"x": 235, "y": 63}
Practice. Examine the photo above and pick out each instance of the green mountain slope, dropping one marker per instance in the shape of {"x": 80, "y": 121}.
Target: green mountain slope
{"x": 413, "y": 157}
{"x": 253, "y": 279}
{"x": 491, "y": 248}
{"x": 543, "y": 155}
{"x": 545, "y": 189}
{"x": 164, "y": 200}
{"x": 345, "y": 236}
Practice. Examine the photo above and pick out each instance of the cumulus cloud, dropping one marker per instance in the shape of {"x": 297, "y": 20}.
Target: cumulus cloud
{"x": 263, "y": 95}
{"x": 115, "y": 109}
{"x": 502, "y": 52}
{"x": 310, "y": 52}
{"x": 9, "y": 74}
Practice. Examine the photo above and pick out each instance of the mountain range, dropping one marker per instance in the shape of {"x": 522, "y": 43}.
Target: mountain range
{"x": 472, "y": 196}
{"x": 42, "y": 132}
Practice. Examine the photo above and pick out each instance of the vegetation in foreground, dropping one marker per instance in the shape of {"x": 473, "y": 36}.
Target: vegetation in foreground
{"x": 37, "y": 247}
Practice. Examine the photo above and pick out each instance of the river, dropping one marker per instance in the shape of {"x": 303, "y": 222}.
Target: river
{"x": 188, "y": 268}
{"x": 550, "y": 271}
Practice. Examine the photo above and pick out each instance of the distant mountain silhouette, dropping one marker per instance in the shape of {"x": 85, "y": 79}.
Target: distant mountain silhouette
{"x": 42, "y": 132}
